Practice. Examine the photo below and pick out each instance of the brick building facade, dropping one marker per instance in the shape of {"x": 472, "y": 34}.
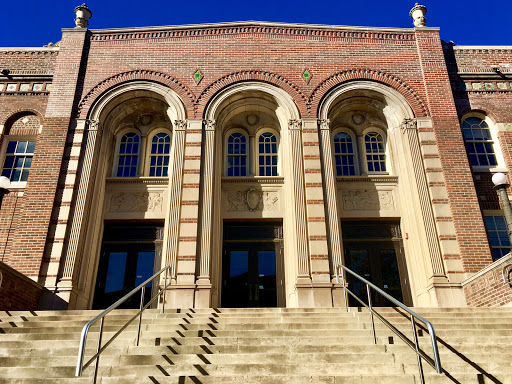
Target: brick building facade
{"x": 253, "y": 158}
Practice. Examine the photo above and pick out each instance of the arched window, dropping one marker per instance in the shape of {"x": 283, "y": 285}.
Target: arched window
{"x": 479, "y": 143}
{"x": 267, "y": 154}
{"x": 18, "y": 147}
{"x": 237, "y": 155}
{"x": 128, "y": 155}
{"x": 159, "y": 158}
{"x": 375, "y": 152}
{"x": 344, "y": 154}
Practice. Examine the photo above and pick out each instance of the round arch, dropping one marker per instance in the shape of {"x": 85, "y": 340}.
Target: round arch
{"x": 396, "y": 110}
{"x": 287, "y": 109}
{"x": 119, "y": 93}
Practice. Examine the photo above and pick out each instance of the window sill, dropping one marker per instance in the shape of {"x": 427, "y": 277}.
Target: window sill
{"x": 138, "y": 180}
{"x": 484, "y": 168}
{"x": 17, "y": 185}
{"x": 374, "y": 178}
{"x": 253, "y": 179}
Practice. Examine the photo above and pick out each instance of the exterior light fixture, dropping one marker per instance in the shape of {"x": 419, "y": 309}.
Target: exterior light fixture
{"x": 501, "y": 184}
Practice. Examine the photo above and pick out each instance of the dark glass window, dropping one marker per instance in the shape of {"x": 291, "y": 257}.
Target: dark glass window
{"x": 128, "y": 155}
{"x": 18, "y": 159}
{"x": 375, "y": 152}
{"x": 498, "y": 235}
{"x": 344, "y": 156}
{"x": 237, "y": 155}
{"x": 479, "y": 144}
{"x": 267, "y": 143}
{"x": 159, "y": 159}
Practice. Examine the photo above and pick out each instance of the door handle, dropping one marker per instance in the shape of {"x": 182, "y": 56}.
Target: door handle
{"x": 256, "y": 292}
{"x": 250, "y": 291}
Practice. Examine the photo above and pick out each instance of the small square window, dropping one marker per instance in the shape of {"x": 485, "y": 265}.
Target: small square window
{"x": 25, "y": 87}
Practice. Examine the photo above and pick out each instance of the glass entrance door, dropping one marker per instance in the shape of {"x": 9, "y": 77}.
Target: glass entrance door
{"x": 249, "y": 275}
{"x": 378, "y": 264}
{"x": 252, "y": 265}
{"x": 129, "y": 256}
{"x": 374, "y": 250}
{"x": 127, "y": 266}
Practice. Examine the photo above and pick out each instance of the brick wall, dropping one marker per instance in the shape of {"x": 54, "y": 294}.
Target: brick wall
{"x": 487, "y": 288}
{"x": 17, "y": 292}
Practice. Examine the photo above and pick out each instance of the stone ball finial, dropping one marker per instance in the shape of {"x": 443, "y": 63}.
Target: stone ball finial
{"x": 83, "y": 14}
{"x": 418, "y": 15}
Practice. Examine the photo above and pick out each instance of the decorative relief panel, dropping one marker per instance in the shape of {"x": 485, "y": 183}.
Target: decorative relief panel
{"x": 252, "y": 200}
{"x": 137, "y": 202}
{"x": 368, "y": 200}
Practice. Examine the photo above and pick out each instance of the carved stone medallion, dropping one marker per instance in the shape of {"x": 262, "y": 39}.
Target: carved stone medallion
{"x": 252, "y": 200}
{"x": 358, "y": 118}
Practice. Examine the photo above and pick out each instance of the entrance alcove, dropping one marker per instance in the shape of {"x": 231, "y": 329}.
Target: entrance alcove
{"x": 381, "y": 189}
{"x": 124, "y": 186}
{"x": 251, "y": 189}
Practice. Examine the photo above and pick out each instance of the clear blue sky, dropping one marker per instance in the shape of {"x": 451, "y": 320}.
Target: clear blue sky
{"x": 470, "y": 22}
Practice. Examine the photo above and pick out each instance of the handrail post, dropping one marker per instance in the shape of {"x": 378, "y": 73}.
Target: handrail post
{"x": 98, "y": 348}
{"x": 140, "y": 314}
{"x": 163, "y": 293}
{"x": 435, "y": 350}
{"x": 420, "y": 365}
{"x": 345, "y": 294}
{"x": 371, "y": 313}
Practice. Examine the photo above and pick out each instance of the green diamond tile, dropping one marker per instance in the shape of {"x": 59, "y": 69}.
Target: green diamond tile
{"x": 306, "y": 75}
{"x": 198, "y": 76}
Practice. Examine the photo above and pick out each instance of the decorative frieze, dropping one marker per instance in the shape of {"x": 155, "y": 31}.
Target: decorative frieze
{"x": 136, "y": 202}
{"x": 368, "y": 200}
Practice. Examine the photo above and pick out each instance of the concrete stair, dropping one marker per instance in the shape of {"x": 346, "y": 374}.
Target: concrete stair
{"x": 277, "y": 345}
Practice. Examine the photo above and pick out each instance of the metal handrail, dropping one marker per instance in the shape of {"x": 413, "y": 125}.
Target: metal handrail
{"x": 80, "y": 366}
{"x": 434, "y": 362}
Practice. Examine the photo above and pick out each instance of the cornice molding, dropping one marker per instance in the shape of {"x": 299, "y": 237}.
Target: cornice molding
{"x": 254, "y": 27}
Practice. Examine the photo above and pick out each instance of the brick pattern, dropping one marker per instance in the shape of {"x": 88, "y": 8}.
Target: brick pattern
{"x": 489, "y": 291}
{"x": 17, "y": 292}
{"x": 469, "y": 228}
{"x": 30, "y": 240}
{"x": 23, "y": 123}
{"x": 22, "y": 62}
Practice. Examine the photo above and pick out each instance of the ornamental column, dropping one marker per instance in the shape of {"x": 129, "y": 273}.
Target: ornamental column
{"x": 174, "y": 203}
{"x": 331, "y": 201}
{"x": 73, "y": 254}
{"x": 410, "y": 131}
{"x": 205, "y": 253}
{"x": 295, "y": 128}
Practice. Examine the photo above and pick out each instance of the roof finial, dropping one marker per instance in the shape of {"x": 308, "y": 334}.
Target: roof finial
{"x": 418, "y": 15}
{"x": 83, "y": 14}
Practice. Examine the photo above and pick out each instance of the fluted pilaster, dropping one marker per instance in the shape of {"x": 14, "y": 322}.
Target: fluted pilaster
{"x": 331, "y": 202}
{"x": 409, "y": 129}
{"x": 207, "y": 200}
{"x": 78, "y": 222}
{"x": 295, "y": 131}
{"x": 175, "y": 187}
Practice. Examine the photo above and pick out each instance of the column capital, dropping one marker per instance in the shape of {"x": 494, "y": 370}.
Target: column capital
{"x": 93, "y": 125}
{"x": 325, "y": 124}
{"x": 295, "y": 125}
{"x": 180, "y": 125}
{"x": 408, "y": 124}
{"x": 209, "y": 125}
